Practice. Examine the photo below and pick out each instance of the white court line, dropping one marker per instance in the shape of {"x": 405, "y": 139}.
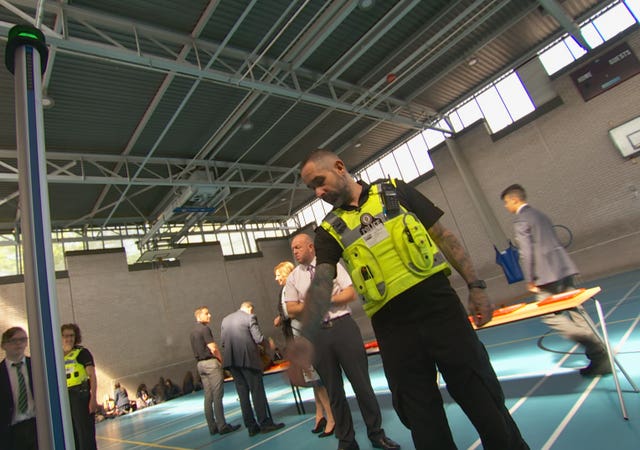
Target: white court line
{"x": 556, "y": 433}
{"x": 576, "y": 406}
{"x": 284, "y": 430}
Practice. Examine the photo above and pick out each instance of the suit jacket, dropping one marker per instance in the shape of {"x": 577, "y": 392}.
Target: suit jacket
{"x": 7, "y": 406}
{"x": 240, "y": 336}
{"x": 542, "y": 258}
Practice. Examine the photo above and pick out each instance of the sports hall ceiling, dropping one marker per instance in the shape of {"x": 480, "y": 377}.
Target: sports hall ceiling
{"x": 164, "y": 106}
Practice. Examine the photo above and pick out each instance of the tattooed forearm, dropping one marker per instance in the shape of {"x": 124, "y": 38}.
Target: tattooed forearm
{"x": 318, "y": 299}
{"x": 453, "y": 250}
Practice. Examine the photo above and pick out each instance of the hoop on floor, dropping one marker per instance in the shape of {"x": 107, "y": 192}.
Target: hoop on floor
{"x": 564, "y": 234}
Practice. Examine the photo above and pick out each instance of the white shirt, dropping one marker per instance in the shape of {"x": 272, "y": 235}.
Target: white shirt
{"x": 520, "y": 208}
{"x": 298, "y": 283}
{"x": 13, "y": 379}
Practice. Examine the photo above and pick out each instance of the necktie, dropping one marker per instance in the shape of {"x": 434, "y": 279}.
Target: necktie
{"x": 23, "y": 402}
{"x": 312, "y": 271}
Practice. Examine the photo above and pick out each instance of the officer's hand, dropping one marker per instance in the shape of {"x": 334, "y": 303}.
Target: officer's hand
{"x": 480, "y": 307}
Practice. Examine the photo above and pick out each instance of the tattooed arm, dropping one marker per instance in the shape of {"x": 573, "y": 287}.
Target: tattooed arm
{"x": 479, "y": 304}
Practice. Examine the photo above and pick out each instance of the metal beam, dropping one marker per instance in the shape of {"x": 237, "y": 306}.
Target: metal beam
{"x": 565, "y": 21}
{"x": 122, "y": 55}
{"x": 98, "y": 169}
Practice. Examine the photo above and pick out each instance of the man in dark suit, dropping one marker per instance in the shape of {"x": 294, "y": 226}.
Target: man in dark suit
{"x": 241, "y": 336}
{"x": 17, "y": 408}
{"x": 549, "y": 270}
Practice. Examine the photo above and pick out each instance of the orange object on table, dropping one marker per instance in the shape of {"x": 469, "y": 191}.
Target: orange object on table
{"x": 504, "y": 310}
{"x": 560, "y": 297}
{"x": 371, "y": 344}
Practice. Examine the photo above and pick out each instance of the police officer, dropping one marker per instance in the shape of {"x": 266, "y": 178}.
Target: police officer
{"x": 82, "y": 386}
{"x": 394, "y": 247}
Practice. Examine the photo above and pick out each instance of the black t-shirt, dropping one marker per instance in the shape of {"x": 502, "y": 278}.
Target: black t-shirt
{"x": 85, "y": 357}
{"x": 328, "y": 250}
{"x": 201, "y": 335}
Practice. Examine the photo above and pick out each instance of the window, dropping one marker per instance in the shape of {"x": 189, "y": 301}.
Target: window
{"x": 602, "y": 27}
{"x": 406, "y": 164}
{"x": 515, "y": 96}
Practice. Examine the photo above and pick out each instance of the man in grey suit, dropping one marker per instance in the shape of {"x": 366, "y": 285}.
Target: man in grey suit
{"x": 241, "y": 336}
{"x": 549, "y": 270}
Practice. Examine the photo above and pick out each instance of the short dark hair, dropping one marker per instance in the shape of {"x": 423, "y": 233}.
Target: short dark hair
{"x": 317, "y": 155}
{"x": 10, "y": 333}
{"x": 75, "y": 328}
{"x": 514, "y": 189}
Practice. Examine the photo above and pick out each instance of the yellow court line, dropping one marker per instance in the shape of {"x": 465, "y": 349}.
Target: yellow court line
{"x": 146, "y": 444}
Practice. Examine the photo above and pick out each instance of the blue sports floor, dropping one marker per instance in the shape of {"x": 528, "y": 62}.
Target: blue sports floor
{"x": 554, "y": 406}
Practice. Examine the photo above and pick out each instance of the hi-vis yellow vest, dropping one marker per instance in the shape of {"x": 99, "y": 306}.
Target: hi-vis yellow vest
{"x": 386, "y": 252}
{"x": 76, "y": 373}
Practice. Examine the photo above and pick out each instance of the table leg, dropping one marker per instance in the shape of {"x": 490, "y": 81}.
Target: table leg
{"x": 612, "y": 360}
{"x": 298, "y": 399}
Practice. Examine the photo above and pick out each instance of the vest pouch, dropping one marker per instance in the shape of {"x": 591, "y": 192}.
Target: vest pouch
{"x": 413, "y": 244}
{"x": 365, "y": 273}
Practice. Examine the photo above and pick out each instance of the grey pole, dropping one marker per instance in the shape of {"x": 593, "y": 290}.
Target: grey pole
{"x": 26, "y": 57}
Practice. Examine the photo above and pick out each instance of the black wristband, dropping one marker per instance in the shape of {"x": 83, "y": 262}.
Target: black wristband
{"x": 480, "y": 284}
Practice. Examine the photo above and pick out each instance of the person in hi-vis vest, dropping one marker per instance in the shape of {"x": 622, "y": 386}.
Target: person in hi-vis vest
{"x": 398, "y": 255}
{"x": 82, "y": 385}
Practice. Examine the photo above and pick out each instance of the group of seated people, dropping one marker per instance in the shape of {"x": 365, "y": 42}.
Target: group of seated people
{"x": 164, "y": 390}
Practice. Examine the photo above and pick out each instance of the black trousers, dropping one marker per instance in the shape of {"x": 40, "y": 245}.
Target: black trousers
{"x": 23, "y": 436}
{"x": 249, "y": 382}
{"x": 426, "y": 328}
{"x": 84, "y": 423}
{"x": 339, "y": 348}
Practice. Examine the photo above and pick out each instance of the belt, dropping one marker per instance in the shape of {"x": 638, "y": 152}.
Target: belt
{"x": 208, "y": 359}
{"x": 329, "y": 323}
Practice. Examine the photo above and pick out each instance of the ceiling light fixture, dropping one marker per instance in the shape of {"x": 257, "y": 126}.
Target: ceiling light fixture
{"x": 247, "y": 125}
{"x": 47, "y": 101}
{"x": 366, "y": 4}
{"x": 472, "y": 61}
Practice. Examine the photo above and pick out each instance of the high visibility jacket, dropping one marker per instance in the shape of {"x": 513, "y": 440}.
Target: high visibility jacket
{"x": 386, "y": 249}
{"x": 76, "y": 373}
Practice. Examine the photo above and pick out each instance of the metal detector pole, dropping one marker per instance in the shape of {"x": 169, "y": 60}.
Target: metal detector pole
{"x": 26, "y": 58}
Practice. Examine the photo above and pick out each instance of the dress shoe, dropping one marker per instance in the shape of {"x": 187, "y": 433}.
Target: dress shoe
{"x": 596, "y": 367}
{"x": 351, "y": 446}
{"x": 319, "y": 426}
{"x": 253, "y": 430}
{"x": 325, "y": 434}
{"x": 385, "y": 443}
{"x": 228, "y": 428}
{"x": 271, "y": 427}
{"x": 213, "y": 432}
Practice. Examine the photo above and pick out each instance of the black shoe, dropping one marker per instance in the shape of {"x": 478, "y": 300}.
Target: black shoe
{"x": 253, "y": 430}
{"x": 213, "y": 432}
{"x": 228, "y": 428}
{"x": 271, "y": 427}
{"x": 596, "y": 367}
{"x": 351, "y": 446}
{"x": 319, "y": 426}
{"x": 325, "y": 434}
{"x": 385, "y": 443}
